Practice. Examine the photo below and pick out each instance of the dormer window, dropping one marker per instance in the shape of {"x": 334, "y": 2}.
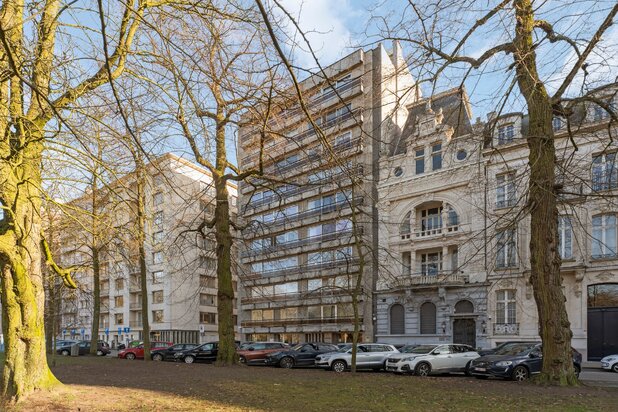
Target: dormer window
{"x": 506, "y": 134}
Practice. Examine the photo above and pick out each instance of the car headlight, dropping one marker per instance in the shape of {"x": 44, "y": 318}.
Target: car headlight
{"x": 504, "y": 363}
{"x": 608, "y": 359}
{"x": 408, "y": 358}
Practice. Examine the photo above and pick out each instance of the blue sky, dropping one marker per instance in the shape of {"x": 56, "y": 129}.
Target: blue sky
{"x": 337, "y": 28}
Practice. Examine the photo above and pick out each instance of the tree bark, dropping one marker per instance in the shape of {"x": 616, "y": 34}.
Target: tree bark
{"x": 554, "y": 326}
{"x": 96, "y": 310}
{"x": 141, "y": 239}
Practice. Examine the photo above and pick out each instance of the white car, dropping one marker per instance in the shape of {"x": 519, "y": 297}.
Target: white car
{"x": 439, "y": 358}
{"x": 368, "y": 356}
{"x": 610, "y": 363}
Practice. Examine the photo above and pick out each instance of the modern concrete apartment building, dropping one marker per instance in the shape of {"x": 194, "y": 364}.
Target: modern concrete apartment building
{"x": 182, "y": 294}
{"x": 300, "y": 258}
{"x": 453, "y": 218}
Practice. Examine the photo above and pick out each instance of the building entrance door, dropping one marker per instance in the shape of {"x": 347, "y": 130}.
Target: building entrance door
{"x": 602, "y": 320}
{"x": 464, "y": 331}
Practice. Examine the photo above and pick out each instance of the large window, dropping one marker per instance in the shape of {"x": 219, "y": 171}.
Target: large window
{"x": 397, "y": 320}
{"x": 506, "y": 306}
{"x": 505, "y": 190}
{"x": 208, "y": 318}
{"x": 428, "y": 318}
{"x": 405, "y": 227}
{"x": 431, "y": 221}
{"x": 506, "y": 255}
{"x": 431, "y": 263}
{"x": 419, "y": 161}
{"x": 565, "y": 237}
{"x": 603, "y": 295}
{"x": 604, "y": 172}
{"x": 506, "y": 134}
{"x": 436, "y": 156}
{"x": 604, "y": 236}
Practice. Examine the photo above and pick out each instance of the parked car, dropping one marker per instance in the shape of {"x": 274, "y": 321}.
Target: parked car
{"x": 368, "y": 356}
{"x": 83, "y": 348}
{"x": 303, "y": 354}
{"x": 137, "y": 352}
{"x": 65, "y": 342}
{"x": 162, "y": 354}
{"x": 256, "y": 352}
{"x": 423, "y": 360}
{"x": 610, "y": 363}
{"x": 484, "y": 352}
{"x": 517, "y": 361}
{"x": 206, "y": 352}
{"x": 132, "y": 344}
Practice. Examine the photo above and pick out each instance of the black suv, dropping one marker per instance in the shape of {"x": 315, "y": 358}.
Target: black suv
{"x": 206, "y": 352}
{"x": 161, "y": 354}
{"x": 84, "y": 348}
{"x": 303, "y": 354}
{"x": 516, "y": 361}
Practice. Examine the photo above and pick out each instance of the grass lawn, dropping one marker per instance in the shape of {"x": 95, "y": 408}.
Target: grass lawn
{"x": 104, "y": 384}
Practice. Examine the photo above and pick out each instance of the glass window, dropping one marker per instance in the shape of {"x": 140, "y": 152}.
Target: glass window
{"x": 506, "y": 133}
{"x": 603, "y": 295}
{"x": 604, "y": 236}
{"x": 405, "y": 227}
{"x": 157, "y": 296}
{"x": 157, "y": 277}
{"x": 565, "y": 237}
{"x": 505, "y": 190}
{"x": 157, "y": 198}
{"x": 507, "y": 248}
{"x": 604, "y": 172}
{"x": 419, "y": 161}
{"x": 431, "y": 221}
{"x": 506, "y": 306}
{"x": 314, "y": 284}
{"x": 157, "y": 258}
{"x": 431, "y": 263}
{"x": 314, "y": 231}
{"x": 436, "y": 156}
{"x": 158, "y": 219}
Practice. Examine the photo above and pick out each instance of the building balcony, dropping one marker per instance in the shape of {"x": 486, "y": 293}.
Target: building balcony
{"x": 348, "y": 266}
{"x": 298, "y": 321}
{"x": 133, "y": 287}
{"x": 503, "y": 329}
{"x": 135, "y": 305}
{"x": 305, "y": 295}
{"x": 421, "y": 279}
{"x": 135, "y": 323}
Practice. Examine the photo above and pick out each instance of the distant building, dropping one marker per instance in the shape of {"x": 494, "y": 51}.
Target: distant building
{"x": 182, "y": 284}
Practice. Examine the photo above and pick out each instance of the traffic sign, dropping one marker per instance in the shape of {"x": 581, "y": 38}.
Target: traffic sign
{"x": 127, "y": 329}
{"x": 119, "y": 330}
{"x": 107, "y": 331}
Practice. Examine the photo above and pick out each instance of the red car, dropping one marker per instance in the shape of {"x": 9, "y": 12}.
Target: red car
{"x": 256, "y": 352}
{"x": 138, "y": 351}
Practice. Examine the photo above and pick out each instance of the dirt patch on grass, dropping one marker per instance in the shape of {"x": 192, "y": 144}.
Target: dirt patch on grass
{"x": 97, "y": 384}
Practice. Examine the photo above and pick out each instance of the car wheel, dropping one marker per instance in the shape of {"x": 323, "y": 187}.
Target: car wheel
{"x": 467, "y": 370}
{"x": 99, "y": 352}
{"x": 157, "y": 357}
{"x": 189, "y": 359}
{"x": 615, "y": 367}
{"x": 338, "y": 366}
{"x": 286, "y": 362}
{"x": 130, "y": 356}
{"x": 242, "y": 359}
{"x": 520, "y": 373}
{"x": 65, "y": 353}
{"x": 422, "y": 369}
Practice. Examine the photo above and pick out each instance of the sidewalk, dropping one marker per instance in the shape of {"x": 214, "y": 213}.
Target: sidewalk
{"x": 591, "y": 365}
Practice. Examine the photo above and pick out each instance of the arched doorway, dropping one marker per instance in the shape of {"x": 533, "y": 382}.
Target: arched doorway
{"x": 464, "y": 328}
{"x": 602, "y": 320}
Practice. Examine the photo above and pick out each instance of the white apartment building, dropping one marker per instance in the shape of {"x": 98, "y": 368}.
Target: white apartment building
{"x": 299, "y": 260}
{"x": 451, "y": 199}
{"x": 182, "y": 284}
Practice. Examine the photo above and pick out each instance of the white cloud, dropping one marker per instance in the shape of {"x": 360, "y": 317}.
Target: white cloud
{"x": 324, "y": 23}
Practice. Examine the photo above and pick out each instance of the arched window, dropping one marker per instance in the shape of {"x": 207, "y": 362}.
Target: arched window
{"x": 397, "y": 320}
{"x": 452, "y": 219}
{"x": 405, "y": 229}
{"x": 464, "y": 306}
{"x": 428, "y": 318}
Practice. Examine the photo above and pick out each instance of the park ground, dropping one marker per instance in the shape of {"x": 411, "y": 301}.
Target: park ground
{"x": 111, "y": 384}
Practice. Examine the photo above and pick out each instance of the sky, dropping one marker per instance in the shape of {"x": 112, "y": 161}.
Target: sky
{"x": 336, "y": 28}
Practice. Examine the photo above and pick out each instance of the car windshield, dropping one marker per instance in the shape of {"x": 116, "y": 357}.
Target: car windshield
{"x": 408, "y": 348}
{"x": 298, "y": 347}
{"x": 344, "y": 349}
{"x": 515, "y": 349}
{"x": 422, "y": 349}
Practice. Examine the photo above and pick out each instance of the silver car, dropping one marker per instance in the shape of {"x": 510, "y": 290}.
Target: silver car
{"x": 368, "y": 356}
{"x": 425, "y": 359}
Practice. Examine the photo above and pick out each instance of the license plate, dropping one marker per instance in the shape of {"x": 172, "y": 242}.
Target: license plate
{"x": 480, "y": 369}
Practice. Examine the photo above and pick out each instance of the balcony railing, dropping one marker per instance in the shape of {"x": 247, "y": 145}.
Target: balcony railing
{"x": 135, "y": 323}
{"x": 425, "y": 279}
{"x": 506, "y": 328}
{"x": 135, "y": 305}
{"x": 346, "y": 234}
{"x": 308, "y": 294}
{"x": 308, "y": 267}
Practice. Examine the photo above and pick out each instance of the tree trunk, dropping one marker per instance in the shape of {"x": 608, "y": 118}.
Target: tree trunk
{"x": 22, "y": 292}
{"x": 143, "y": 270}
{"x": 554, "y": 326}
{"x": 96, "y": 310}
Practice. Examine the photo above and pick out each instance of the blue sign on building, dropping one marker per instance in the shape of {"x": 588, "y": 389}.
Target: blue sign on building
{"x": 127, "y": 329}
{"x": 107, "y": 331}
